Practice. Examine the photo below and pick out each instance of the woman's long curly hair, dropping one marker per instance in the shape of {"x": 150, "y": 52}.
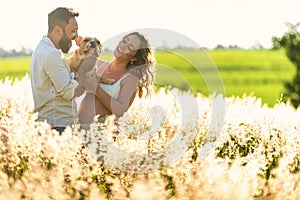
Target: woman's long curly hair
{"x": 143, "y": 64}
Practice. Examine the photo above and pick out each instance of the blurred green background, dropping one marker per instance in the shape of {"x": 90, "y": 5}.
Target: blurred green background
{"x": 232, "y": 72}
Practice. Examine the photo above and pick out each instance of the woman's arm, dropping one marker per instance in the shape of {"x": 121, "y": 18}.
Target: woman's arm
{"x": 126, "y": 96}
{"x": 86, "y": 66}
{"x": 79, "y": 90}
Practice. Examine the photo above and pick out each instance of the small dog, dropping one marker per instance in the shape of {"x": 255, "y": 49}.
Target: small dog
{"x": 88, "y": 47}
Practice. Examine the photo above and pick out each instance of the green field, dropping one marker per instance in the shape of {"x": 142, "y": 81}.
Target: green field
{"x": 252, "y": 72}
{"x": 14, "y": 67}
{"x": 232, "y": 72}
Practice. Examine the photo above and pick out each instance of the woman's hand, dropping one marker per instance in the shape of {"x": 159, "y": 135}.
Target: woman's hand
{"x": 90, "y": 82}
{"x": 87, "y": 75}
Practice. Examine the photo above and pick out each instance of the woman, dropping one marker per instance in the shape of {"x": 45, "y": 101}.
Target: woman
{"x": 132, "y": 69}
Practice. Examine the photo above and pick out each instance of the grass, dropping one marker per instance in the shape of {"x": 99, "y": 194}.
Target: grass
{"x": 261, "y": 73}
{"x": 231, "y": 72}
{"x": 14, "y": 67}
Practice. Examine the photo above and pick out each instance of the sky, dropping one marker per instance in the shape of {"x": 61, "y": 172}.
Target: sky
{"x": 206, "y": 22}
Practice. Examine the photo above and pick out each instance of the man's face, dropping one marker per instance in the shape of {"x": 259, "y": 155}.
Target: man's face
{"x": 69, "y": 34}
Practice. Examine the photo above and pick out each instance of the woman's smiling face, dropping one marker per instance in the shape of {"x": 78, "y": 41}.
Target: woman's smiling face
{"x": 127, "y": 46}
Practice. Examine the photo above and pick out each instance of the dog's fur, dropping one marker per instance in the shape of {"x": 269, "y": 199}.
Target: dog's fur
{"x": 88, "y": 47}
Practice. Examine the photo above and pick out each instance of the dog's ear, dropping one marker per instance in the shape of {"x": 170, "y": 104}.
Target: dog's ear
{"x": 78, "y": 40}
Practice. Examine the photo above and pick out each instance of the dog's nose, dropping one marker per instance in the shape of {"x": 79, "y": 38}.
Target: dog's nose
{"x": 93, "y": 44}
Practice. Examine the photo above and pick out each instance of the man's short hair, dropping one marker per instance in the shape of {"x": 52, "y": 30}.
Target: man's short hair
{"x": 60, "y": 17}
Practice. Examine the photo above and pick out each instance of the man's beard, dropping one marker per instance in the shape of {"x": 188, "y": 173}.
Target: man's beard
{"x": 64, "y": 43}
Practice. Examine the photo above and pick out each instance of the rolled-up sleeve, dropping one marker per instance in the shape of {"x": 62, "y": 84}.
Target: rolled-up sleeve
{"x": 60, "y": 76}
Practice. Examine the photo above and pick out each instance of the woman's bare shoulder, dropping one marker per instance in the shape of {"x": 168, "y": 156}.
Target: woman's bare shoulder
{"x": 130, "y": 78}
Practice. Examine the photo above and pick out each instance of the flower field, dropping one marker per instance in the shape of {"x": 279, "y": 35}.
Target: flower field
{"x": 173, "y": 145}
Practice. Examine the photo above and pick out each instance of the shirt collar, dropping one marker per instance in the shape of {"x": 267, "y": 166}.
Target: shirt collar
{"x": 48, "y": 41}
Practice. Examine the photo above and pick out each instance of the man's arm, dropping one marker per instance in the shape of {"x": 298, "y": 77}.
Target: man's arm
{"x": 60, "y": 76}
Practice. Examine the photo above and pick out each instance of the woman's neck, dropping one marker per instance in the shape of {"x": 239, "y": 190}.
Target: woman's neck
{"x": 118, "y": 65}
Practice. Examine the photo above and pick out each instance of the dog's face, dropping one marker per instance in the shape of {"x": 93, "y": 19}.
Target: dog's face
{"x": 89, "y": 46}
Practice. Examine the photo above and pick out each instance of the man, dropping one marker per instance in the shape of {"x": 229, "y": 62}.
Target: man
{"x": 53, "y": 86}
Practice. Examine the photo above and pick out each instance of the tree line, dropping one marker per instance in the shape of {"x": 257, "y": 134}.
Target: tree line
{"x": 290, "y": 42}
{"x": 27, "y": 51}
{"x": 15, "y": 53}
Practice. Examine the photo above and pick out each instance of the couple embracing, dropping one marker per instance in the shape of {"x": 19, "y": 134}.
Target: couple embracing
{"x": 55, "y": 89}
